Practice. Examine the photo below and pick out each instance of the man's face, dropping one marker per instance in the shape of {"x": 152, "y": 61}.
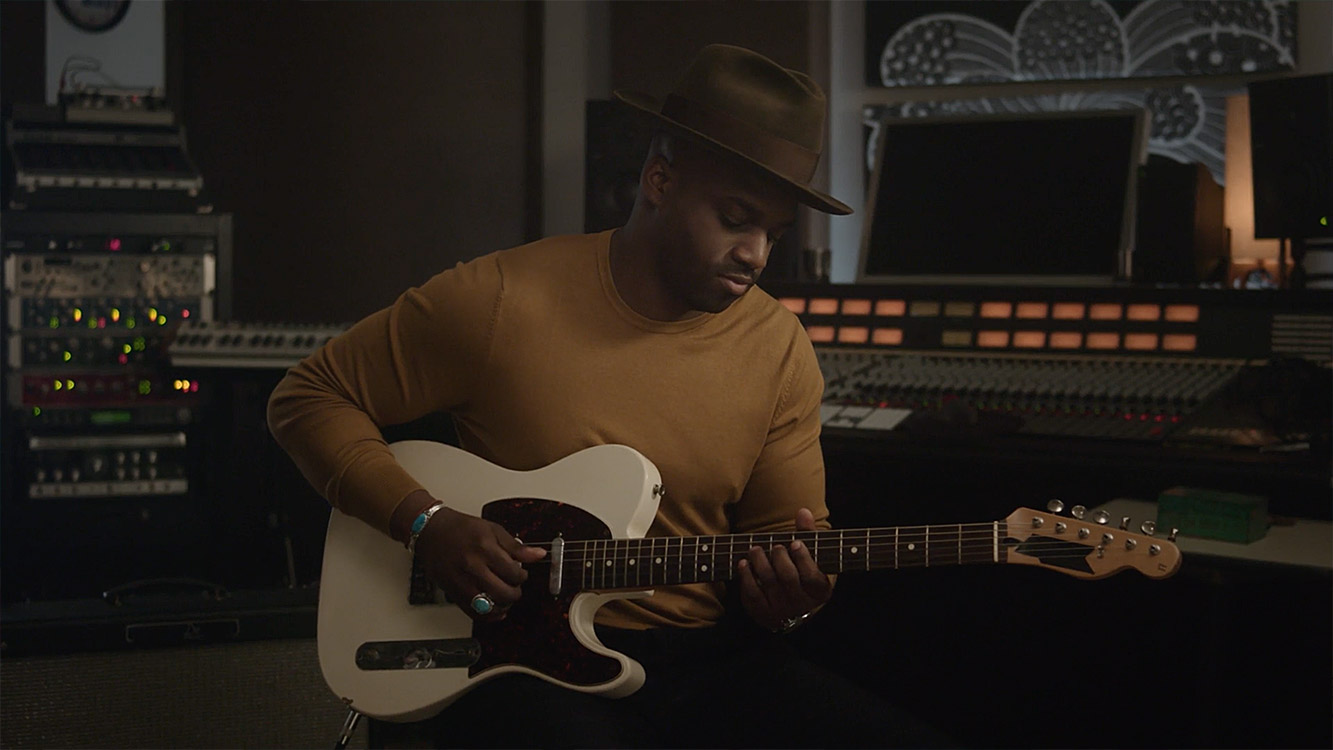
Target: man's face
{"x": 718, "y": 225}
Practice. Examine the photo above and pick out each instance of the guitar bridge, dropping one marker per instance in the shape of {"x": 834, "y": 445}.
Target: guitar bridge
{"x": 438, "y": 653}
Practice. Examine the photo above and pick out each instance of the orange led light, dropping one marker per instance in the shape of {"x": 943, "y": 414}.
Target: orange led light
{"x": 1030, "y": 339}
{"x": 795, "y": 304}
{"x": 853, "y": 334}
{"x": 997, "y": 309}
{"x": 820, "y": 334}
{"x": 1068, "y": 311}
{"x": 890, "y": 308}
{"x": 856, "y": 307}
{"x": 823, "y": 306}
{"x": 1106, "y": 311}
{"x": 1066, "y": 340}
{"x": 1180, "y": 342}
{"x": 1032, "y": 310}
{"x": 1144, "y": 312}
{"x": 888, "y": 336}
{"x": 1103, "y": 341}
{"x": 992, "y": 339}
{"x": 1141, "y": 342}
{"x": 1182, "y": 313}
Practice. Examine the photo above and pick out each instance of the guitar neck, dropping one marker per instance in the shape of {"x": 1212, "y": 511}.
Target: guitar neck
{"x": 660, "y": 561}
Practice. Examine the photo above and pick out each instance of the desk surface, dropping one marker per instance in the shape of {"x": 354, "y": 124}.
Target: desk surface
{"x": 1303, "y": 542}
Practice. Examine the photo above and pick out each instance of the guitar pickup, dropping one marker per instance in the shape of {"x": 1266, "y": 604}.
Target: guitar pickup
{"x": 438, "y": 653}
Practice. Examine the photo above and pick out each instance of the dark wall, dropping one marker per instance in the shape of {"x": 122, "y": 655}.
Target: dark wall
{"x": 22, "y": 52}
{"x": 362, "y": 147}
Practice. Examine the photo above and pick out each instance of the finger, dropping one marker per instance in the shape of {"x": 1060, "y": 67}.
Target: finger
{"x": 514, "y": 547}
{"x": 805, "y": 520}
{"x": 486, "y": 581}
{"x": 751, "y": 593}
{"x": 814, "y": 581}
{"x": 761, "y": 567}
{"x": 784, "y": 569}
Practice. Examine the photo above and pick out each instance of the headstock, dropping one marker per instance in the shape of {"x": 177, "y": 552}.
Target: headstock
{"x": 1086, "y": 545}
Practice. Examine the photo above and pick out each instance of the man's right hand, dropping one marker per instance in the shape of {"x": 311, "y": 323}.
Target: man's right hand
{"x": 466, "y": 555}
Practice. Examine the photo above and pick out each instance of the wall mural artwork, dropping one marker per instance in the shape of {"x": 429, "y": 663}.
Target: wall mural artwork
{"x": 942, "y": 43}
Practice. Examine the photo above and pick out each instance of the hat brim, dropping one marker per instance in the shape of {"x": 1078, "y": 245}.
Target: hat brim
{"x": 804, "y": 193}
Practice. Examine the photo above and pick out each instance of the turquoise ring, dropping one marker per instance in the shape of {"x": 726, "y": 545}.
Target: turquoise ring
{"x": 482, "y": 604}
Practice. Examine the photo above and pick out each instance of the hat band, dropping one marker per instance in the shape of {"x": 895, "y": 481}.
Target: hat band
{"x": 791, "y": 160}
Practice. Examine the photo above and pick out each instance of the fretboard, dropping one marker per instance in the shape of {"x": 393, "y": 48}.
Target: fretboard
{"x": 660, "y": 561}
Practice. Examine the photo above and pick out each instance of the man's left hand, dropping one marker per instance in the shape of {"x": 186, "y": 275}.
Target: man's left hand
{"x": 783, "y": 583}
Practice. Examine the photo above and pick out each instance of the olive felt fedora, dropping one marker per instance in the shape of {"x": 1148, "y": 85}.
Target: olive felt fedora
{"x": 745, "y": 104}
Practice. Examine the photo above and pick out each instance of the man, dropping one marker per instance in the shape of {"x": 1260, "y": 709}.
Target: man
{"x": 650, "y": 336}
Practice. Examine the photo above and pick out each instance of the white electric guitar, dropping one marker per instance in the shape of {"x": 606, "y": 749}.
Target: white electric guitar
{"x": 392, "y": 649}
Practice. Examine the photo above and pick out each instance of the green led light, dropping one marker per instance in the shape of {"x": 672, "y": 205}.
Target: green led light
{"x": 37, "y": 411}
{"x": 67, "y": 356}
{"x": 162, "y": 320}
{"x": 54, "y": 322}
{"x": 140, "y": 343}
{"x": 1323, "y": 221}
{"x": 129, "y": 322}
{"x": 127, "y": 348}
{"x": 145, "y": 387}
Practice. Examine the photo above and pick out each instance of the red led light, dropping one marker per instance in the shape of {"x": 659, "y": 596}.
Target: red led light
{"x": 185, "y": 313}
{"x": 194, "y": 387}
{"x": 113, "y": 244}
{"x": 123, "y": 359}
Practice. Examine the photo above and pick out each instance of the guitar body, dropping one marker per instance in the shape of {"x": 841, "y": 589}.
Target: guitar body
{"x": 391, "y": 659}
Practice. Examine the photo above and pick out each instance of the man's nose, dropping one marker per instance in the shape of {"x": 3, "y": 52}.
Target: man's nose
{"x": 753, "y": 249}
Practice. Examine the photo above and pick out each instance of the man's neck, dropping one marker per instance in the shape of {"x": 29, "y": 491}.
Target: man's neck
{"x": 637, "y": 279}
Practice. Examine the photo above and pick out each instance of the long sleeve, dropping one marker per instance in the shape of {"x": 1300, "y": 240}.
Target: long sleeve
{"x": 425, "y": 353}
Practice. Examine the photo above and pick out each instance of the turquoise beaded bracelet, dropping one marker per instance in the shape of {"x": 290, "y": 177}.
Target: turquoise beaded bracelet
{"x": 419, "y": 525}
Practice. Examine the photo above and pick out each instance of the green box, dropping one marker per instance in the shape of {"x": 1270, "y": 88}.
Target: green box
{"x": 1213, "y": 514}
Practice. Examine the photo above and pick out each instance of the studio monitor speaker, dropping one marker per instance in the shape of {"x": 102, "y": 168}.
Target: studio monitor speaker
{"x": 1180, "y": 236}
{"x": 1291, "y": 142}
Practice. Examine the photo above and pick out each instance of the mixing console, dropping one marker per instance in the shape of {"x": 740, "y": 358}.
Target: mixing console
{"x": 1128, "y": 398}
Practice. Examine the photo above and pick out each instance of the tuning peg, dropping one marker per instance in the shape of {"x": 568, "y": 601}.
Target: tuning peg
{"x": 1055, "y": 505}
{"x": 1148, "y": 528}
{"x": 1078, "y": 511}
{"x": 1101, "y": 517}
{"x": 1124, "y": 523}
{"x": 1172, "y": 537}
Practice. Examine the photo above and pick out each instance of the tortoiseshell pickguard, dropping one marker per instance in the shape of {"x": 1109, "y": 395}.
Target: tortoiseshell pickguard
{"x": 536, "y": 633}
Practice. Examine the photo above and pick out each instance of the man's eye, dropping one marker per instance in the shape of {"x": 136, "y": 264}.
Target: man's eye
{"x": 731, "y": 223}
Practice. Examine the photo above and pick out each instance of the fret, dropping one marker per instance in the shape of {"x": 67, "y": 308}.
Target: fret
{"x": 680, "y": 559}
{"x": 659, "y": 563}
{"x": 960, "y": 544}
{"x": 895, "y": 549}
{"x": 868, "y": 548}
{"x": 840, "y": 549}
{"x": 927, "y": 546}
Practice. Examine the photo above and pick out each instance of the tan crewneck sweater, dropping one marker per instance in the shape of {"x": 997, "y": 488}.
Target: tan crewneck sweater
{"x": 536, "y": 356}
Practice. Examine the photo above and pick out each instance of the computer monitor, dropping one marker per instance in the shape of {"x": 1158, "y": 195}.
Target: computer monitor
{"x": 1040, "y": 198}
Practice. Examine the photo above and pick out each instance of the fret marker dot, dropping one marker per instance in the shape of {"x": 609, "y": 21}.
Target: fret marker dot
{"x": 658, "y": 560}
{"x": 854, "y": 549}
{"x": 704, "y": 568}
{"x": 704, "y": 548}
{"x": 631, "y": 562}
{"x": 609, "y": 563}
{"x": 588, "y": 564}
{"x": 911, "y": 546}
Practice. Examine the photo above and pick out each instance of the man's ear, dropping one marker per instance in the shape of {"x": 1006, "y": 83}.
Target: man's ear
{"x": 654, "y": 179}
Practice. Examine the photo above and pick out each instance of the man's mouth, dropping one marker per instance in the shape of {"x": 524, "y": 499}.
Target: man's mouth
{"x": 737, "y": 283}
